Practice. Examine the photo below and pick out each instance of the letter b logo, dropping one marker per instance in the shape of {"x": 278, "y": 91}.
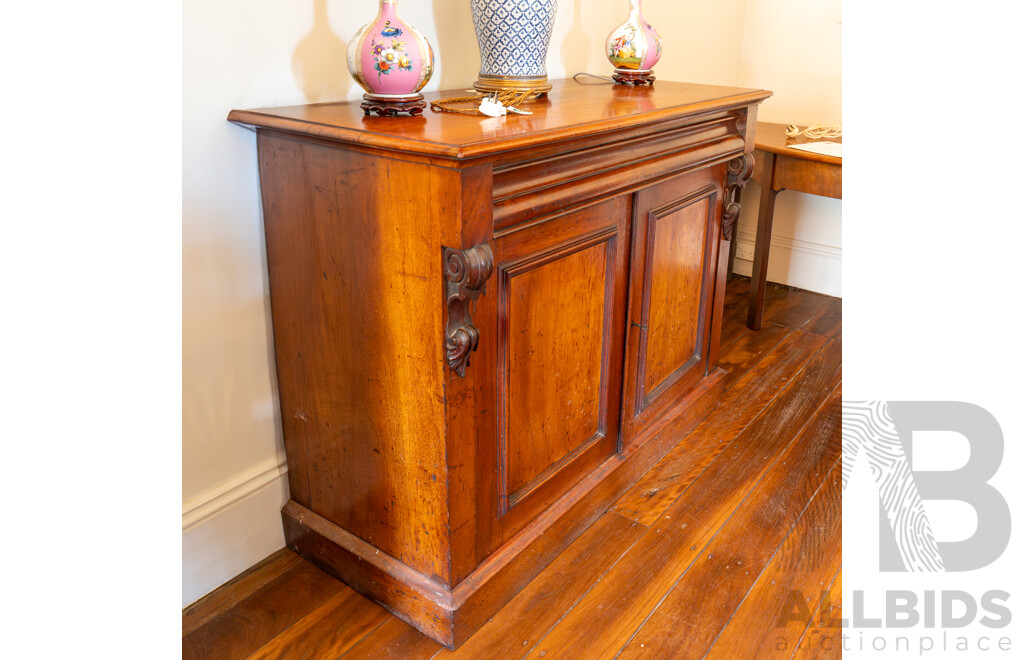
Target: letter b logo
{"x": 884, "y": 432}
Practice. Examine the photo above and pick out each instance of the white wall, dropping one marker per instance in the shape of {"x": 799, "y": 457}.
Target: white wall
{"x": 261, "y": 53}
{"x": 794, "y": 48}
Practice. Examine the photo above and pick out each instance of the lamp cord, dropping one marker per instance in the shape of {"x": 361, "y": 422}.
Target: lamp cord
{"x": 509, "y": 99}
{"x": 591, "y": 75}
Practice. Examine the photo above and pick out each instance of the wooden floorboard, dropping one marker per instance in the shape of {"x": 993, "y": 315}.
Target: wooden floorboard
{"x": 618, "y": 605}
{"x": 828, "y": 322}
{"x": 767, "y": 624}
{"x": 394, "y": 639}
{"x": 701, "y": 558}
{"x": 747, "y": 350}
{"x": 328, "y": 631}
{"x": 703, "y": 601}
{"x": 204, "y": 609}
{"x": 823, "y": 637}
{"x": 794, "y": 308}
{"x": 256, "y": 620}
{"x": 517, "y": 628}
{"x": 657, "y": 489}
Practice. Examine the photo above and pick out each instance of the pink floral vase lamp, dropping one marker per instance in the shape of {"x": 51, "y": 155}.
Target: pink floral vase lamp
{"x": 634, "y": 48}
{"x": 392, "y": 61}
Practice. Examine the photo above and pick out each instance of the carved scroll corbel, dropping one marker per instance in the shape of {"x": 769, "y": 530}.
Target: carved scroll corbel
{"x": 738, "y": 171}
{"x": 467, "y": 272}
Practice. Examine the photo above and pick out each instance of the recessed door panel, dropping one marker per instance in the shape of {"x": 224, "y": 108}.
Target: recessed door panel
{"x": 676, "y": 232}
{"x": 677, "y": 240}
{"x": 557, "y": 327}
{"x": 558, "y": 319}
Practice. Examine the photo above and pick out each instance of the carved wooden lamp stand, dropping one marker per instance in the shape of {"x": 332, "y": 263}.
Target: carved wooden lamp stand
{"x": 626, "y": 77}
{"x": 392, "y": 107}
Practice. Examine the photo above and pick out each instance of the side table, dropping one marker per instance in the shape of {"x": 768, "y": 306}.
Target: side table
{"x": 778, "y": 167}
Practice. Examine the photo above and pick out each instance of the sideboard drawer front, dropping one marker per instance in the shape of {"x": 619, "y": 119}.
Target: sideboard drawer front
{"x": 560, "y": 319}
{"x": 525, "y": 189}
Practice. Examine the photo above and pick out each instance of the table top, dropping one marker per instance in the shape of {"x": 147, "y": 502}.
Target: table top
{"x": 572, "y": 109}
{"x": 772, "y": 138}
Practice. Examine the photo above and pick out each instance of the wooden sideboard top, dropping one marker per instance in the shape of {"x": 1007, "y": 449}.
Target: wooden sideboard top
{"x": 572, "y": 110}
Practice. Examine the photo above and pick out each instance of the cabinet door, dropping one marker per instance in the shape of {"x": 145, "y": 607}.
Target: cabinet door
{"x": 675, "y": 251}
{"x": 558, "y": 317}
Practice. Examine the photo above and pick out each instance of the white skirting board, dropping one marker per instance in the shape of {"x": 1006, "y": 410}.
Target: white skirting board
{"x": 806, "y": 250}
{"x": 796, "y": 263}
{"x": 229, "y": 528}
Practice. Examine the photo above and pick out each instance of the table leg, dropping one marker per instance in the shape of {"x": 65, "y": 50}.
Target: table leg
{"x": 762, "y": 244}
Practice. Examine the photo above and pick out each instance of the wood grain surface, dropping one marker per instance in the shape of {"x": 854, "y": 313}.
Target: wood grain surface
{"x": 672, "y": 296}
{"x": 692, "y": 616}
{"x": 244, "y": 627}
{"x": 662, "y": 485}
{"x": 620, "y": 603}
{"x": 801, "y": 569}
{"x": 823, "y": 636}
{"x": 357, "y": 391}
{"x": 572, "y": 110}
{"x": 242, "y": 586}
{"x": 678, "y": 239}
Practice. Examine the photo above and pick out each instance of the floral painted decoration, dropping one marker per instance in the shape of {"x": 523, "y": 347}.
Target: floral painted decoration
{"x": 385, "y": 45}
{"x": 389, "y": 58}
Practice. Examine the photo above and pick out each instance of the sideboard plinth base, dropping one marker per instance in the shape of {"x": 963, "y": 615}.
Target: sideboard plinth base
{"x": 450, "y": 616}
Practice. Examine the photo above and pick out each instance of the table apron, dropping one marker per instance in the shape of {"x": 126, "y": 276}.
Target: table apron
{"x": 814, "y": 177}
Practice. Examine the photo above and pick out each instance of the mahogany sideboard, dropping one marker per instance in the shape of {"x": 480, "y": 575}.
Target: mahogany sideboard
{"x": 486, "y": 330}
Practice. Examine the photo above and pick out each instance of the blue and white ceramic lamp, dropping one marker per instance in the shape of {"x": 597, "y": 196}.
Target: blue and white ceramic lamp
{"x": 513, "y": 36}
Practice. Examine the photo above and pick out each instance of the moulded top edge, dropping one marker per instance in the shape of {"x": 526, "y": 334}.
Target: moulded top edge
{"x": 572, "y": 110}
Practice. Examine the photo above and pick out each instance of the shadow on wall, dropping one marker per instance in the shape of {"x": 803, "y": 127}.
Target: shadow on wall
{"x": 319, "y": 63}
{"x": 455, "y": 39}
{"x": 229, "y": 388}
{"x": 576, "y": 45}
